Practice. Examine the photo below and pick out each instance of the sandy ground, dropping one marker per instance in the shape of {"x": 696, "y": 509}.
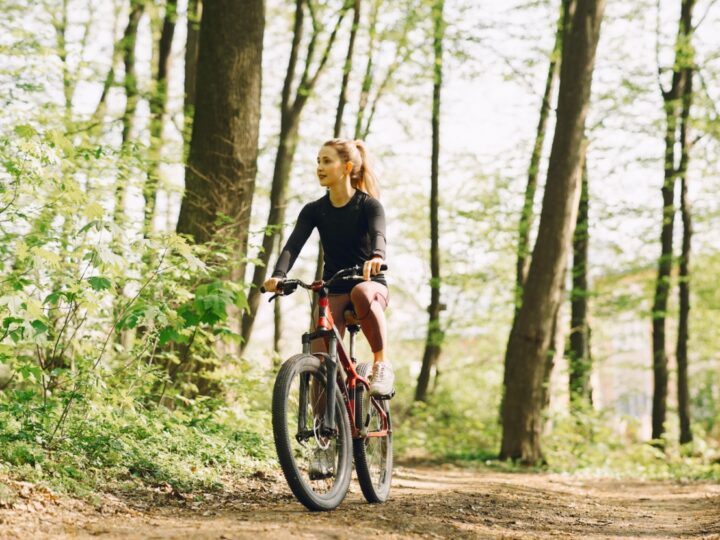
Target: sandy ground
{"x": 426, "y": 502}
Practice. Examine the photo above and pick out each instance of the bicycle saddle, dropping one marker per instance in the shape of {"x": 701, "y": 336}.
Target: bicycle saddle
{"x": 351, "y": 318}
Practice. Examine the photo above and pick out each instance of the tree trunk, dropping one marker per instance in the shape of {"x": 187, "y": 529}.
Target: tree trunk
{"x": 291, "y": 110}
{"x": 662, "y": 286}
{"x": 222, "y": 161}
{"x": 194, "y": 15}
{"x": 367, "y": 80}
{"x": 531, "y": 334}
{"x": 578, "y": 354}
{"x": 686, "y": 435}
{"x": 527, "y": 215}
{"x": 158, "y": 104}
{"x": 137, "y": 8}
{"x": 337, "y": 129}
{"x": 435, "y": 334}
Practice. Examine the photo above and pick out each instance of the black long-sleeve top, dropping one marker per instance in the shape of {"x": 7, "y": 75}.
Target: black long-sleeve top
{"x": 350, "y": 235}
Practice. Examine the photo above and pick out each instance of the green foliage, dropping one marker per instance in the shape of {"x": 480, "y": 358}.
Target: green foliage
{"x": 590, "y": 442}
{"x": 105, "y": 332}
{"x": 189, "y": 448}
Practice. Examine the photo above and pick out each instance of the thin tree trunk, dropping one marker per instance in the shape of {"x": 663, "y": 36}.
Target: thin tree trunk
{"x": 109, "y": 81}
{"x": 368, "y": 76}
{"x": 337, "y": 129}
{"x": 578, "y": 354}
{"x": 158, "y": 103}
{"x": 686, "y": 435}
{"x": 435, "y": 334}
{"x": 662, "y": 286}
{"x": 527, "y": 214}
{"x": 291, "y": 109}
{"x": 222, "y": 162}
{"x": 367, "y": 104}
{"x": 278, "y": 311}
{"x": 137, "y": 7}
{"x": 532, "y": 332}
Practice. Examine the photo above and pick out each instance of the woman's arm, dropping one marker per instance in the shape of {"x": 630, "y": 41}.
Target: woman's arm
{"x": 375, "y": 214}
{"x": 303, "y": 227}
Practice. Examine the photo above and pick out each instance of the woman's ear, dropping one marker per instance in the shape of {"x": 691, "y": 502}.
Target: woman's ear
{"x": 348, "y": 167}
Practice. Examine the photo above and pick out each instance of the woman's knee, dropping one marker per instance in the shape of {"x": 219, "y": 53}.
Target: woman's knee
{"x": 360, "y": 298}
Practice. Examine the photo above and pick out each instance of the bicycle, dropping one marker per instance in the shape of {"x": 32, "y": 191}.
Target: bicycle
{"x": 304, "y": 426}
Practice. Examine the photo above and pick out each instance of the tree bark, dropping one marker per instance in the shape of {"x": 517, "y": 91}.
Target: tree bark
{"x": 158, "y": 103}
{"x": 291, "y": 109}
{"x": 137, "y": 7}
{"x": 531, "y": 334}
{"x": 578, "y": 354}
{"x": 672, "y": 107}
{"x": 435, "y": 334}
{"x": 194, "y": 15}
{"x": 683, "y": 391}
{"x": 222, "y": 161}
{"x": 527, "y": 214}
{"x": 337, "y": 129}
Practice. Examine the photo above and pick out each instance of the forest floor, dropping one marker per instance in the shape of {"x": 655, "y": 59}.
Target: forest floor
{"x": 426, "y": 502}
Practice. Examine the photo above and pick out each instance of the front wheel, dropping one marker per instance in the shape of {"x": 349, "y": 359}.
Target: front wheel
{"x": 373, "y": 450}
{"x": 316, "y": 465}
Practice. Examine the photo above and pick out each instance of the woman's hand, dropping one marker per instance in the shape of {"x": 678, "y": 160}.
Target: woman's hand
{"x": 372, "y": 267}
{"x": 271, "y": 284}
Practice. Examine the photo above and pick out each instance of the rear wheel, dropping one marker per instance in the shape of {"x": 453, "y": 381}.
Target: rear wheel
{"x": 373, "y": 450}
{"x": 299, "y": 399}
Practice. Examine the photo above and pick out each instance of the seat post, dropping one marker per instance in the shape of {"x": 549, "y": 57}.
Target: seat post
{"x": 352, "y": 331}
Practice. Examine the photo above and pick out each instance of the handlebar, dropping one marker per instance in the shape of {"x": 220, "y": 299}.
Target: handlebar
{"x": 289, "y": 286}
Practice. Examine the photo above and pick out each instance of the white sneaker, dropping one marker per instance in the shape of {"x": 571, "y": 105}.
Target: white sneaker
{"x": 322, "y": 463}
{"x": 382, "y": 380}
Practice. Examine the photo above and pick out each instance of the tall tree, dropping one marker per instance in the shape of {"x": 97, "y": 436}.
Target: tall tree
{"x": 291, "y": 108}
{"x": 137, "y": 7}
{"x": 194, "y": 15}
{"x": 672, "y": 101}
{"x": 158, "y": 103}
{"x": 435, "y": 334}
{"x": 578, "y": 351}
{"x": 370, "y": 92}
{"x": 532, "y": 330}
{"x": 527, "y": 214}
{"x": 683, "y": 337}
{"x": 222, "y": 162}
{"x": 337, "y": 129}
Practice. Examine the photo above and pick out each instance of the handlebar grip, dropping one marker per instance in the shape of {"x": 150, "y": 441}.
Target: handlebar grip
{"x": 263, "y": 290}
{"x": 383, "y": 267}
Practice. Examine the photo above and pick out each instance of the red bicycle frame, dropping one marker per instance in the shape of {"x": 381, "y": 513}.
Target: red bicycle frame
{"x": 353, "y": 382}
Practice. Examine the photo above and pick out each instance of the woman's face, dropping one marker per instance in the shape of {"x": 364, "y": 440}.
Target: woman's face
{"x": 330, "y": 168}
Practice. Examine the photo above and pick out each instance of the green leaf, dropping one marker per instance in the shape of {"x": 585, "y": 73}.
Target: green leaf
{"x": 39, "y": 326}
{"x": 99, "y": 283}
{"x": 25, "y": 131}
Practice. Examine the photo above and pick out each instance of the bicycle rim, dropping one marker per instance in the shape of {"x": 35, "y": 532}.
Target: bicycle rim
{"x": 298, "y": 400}
{"x": 373, "y": 454}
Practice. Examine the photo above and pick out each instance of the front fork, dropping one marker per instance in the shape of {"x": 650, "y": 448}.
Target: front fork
{"x": 329, "y": 427}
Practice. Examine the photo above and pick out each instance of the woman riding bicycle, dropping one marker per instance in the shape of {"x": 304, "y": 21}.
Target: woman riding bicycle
{"x": 351, "y": 223}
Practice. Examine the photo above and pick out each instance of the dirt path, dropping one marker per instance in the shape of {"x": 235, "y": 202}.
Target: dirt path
{"x": 425, "y": 503}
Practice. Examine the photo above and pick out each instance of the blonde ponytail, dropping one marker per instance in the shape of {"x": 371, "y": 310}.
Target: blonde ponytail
{"x": 362, "y": 176}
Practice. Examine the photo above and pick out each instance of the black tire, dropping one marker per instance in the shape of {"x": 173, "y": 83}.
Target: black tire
{"x": 294, "y": 454}
{"x": 373, "y": 455}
